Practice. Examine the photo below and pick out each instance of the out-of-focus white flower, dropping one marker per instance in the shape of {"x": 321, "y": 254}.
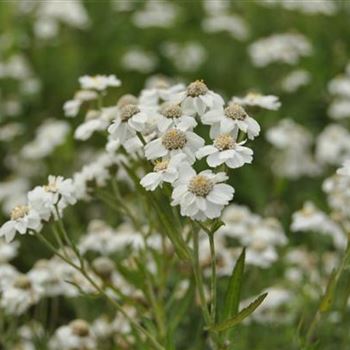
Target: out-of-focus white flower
{"x": 345, "y": 169}
{"x": 10, "y": 130}
{"x": 49, "y": 135}
{"x": 340, "y": 86}
{"x": 98, "y": 82}
{"x": 333, "y": 145}
{"x": 187, "y": 57}
{"x": 285, "y": 48}
{"x": 70, "y": 12}
{"x": 338, "y": 195}
{"x": 233, "y": 24}
{"x": 8, "y": 251}
{"x": 157, "y": 13}
{"x": 139, "y": 60}
{"x": 159, "y": 89}
{"x": 230, "y": 119}
{"x": 270, "y": 102}
{"x": 19, "y": 295}
{"x": 309, "y": 218}
{"x": 295, "y": 80}
{"x": 339, "y": 108}
{"x": 201, "y": 196}
{"x": 225, "y": 150}
{"x": 324, "y": 7}
{"x": 174, "y": 141}
{"x": 76, "y": 335}
{"x": 71, "y": 108}
{"x": 165, "y": 170}
{"x": 292, "y": 157}
{"x": 23, "y": 218}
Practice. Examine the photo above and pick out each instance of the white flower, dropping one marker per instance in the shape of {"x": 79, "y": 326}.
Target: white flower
{"x": 232, "y": 118}
{"x": 71, "y": 108}
{"x": 19, "y": 295}
{"x": 198, "y": 98}
{"x": 165, "y": 170}
{"x": 63, "y": 189}
{"x": 172, "y": 115}
{"x": 286, "y": 48}
{"x": 23, "y": 218}
{"x": 99, "y": 82}
{"x": 254, "y": 99}
{"x": 42, "y": 201}
{"x": 172, "y": 142}
{"x": 76, "y": 335}
{"x": 131, "y": 118}
{"x": 345, "y": 169}
{"x": 94, "y": 121}
{"x": 201, "y": 196}
{"x": 295, "y": 79}
{"x": 8, "y": 250}
{"x": 311, "y": 219}
{"x": 226, "y": 150}
{"x": 159, "y": 89}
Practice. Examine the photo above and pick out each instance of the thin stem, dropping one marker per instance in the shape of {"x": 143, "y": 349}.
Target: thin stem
{"x": 213, "y": 278}
{"x": 198, "y": 277}
{"x": 150, "y": 337}
{"x": 318, "y": 313}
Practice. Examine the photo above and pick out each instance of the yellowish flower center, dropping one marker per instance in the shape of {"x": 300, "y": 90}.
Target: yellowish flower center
{"x": 224, "y": 142}
{"x": 128, "y": 111}
{"x": 200, "y": 185}
{"x": 51, "y": 187}
{"x": 80, "y": 328}
{"x": 161, "y": 165}
{"x": 127, "y": 99}
{"x": 197, "y": 88}
{"x": 19, "y": 212}
{"x": 22, "y": 282}
{"x": 174, "y": 139}
{"x": 235, "y": 111}
{"x": 172, "y": 111}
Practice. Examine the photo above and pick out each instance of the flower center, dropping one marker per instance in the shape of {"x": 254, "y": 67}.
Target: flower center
{"x": 161, "y": 165}
{"x": 19, "y": 212}
{"x": 22, "y": 282}
{"x": 80, "y": 328}
{"x": 51, "y": 187}
{"x": 224, "y": 142}
{"x": 103, "y": 266}
{"x": 127, "y": 99}
{"x": 200, "y": 185}
{"x": 128, "y": 111}
{"x": 172, "y": 111}
{"x": 235, "y": 111}
{"x": 197, "y": 88}
{"x": 174, "y": 139}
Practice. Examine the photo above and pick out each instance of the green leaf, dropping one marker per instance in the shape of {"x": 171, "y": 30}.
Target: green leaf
{"x": 240, "y": 316}
{"x": 233, "y": 291}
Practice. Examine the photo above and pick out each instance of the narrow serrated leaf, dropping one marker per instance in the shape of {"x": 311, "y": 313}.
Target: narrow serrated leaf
{"x": 233, "y": 291}
{"x": 240, "y": 316}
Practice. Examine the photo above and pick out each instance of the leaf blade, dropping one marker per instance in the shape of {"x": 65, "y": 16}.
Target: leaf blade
{"x": 234, "y": 287}
{"x": 223, "y": 326}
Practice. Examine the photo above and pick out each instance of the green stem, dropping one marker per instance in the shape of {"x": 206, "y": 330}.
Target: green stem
{"x": 198, "y": 277}
{"x": 213, "y": 278}
{"x": 82, "y": 270}
{"x": 318, "y": 313}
